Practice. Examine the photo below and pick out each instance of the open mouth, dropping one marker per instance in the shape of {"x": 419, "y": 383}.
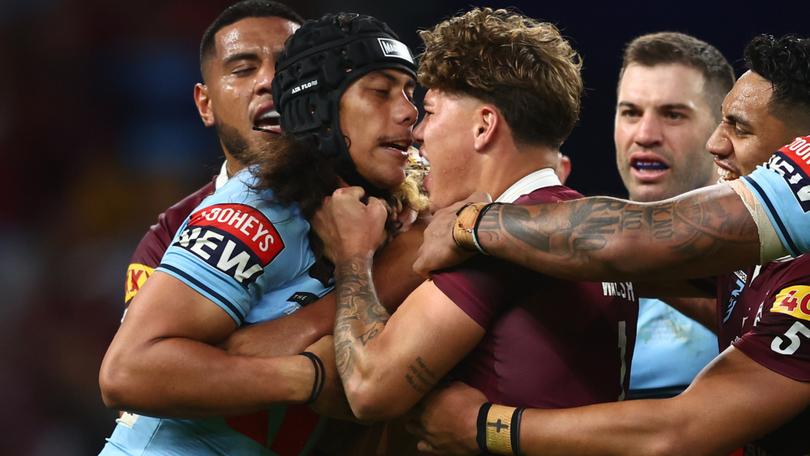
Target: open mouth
{"x": 726, "y": 174}
{"x": 268, "y": 122}
{"x": 725, "y": 170}
{"x": 401, "y": 146}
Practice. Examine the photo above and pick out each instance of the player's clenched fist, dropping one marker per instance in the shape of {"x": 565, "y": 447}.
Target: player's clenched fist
{"x": 348, "y": 226}
{"x": 439, "y": 248}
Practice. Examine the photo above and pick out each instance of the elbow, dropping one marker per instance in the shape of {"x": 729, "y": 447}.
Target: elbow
{"x": 664, "y": 444}
{"x": 679, "y": 436}
{"x": 111, "y": 386}
{"x": 693, "y": 439}
{"x": 369, "y": 401}
{"x": 238, "y": 343}
{"x": 115, "y": 383}
{"x": 674, "y": 441}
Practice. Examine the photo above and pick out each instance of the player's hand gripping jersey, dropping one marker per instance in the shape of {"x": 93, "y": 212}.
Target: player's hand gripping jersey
{"x": 251, "y": 257}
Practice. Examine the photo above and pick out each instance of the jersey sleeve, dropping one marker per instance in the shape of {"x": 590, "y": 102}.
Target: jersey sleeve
{"x": 233, "y": 253}
{"x": 483, "y": 286}
{"x": 479, "y": 287}
{"x": 780, "y": 339}
{"x": 782, "y": 187}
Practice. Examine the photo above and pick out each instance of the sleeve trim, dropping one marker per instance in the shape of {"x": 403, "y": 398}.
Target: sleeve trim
{"x": 235, "y": 313}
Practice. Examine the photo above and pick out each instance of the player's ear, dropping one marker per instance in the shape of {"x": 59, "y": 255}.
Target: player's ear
{"x": 487, "y": 122}
{"x": 203, "y": 103}
{"x": 563, "y": 168}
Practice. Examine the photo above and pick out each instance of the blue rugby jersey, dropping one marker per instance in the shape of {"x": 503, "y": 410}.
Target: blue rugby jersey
{"x": 251, "y": 257}
{"x": 782, "y": 186}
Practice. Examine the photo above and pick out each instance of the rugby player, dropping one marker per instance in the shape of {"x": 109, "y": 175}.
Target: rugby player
{"x": 757, "y": 392}
{"x": 234, "y": 117}
{"x": 243, "y": 256}
{"x": 670, "y": 89}
{"x": 504, "y": 93}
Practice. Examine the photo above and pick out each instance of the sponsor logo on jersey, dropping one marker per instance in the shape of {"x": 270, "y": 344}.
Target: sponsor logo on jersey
{"x": 394, "y": 48}
{"x": 136, "y": 275}
{"x": 792, "y": 162}
{"x": 235, "y": 238}
{"x": 302, "y": 298}
{"x": 793, "y": 301}
{"x": 619, "y": 289}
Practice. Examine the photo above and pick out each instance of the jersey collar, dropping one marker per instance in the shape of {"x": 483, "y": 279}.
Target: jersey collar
{"x": 539, "y": 179}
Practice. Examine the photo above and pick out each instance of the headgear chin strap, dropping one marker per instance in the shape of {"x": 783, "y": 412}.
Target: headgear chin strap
{"x": 318, "y": 64}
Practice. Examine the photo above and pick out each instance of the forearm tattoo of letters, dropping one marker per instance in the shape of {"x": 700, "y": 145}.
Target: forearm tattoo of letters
{"x": 576, "y": 229}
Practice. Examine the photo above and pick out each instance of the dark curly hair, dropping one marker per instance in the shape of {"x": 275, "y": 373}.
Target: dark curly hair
{"x": 522, "y": 66}
{"x": 785, "y": 63}
{"x": 295, "y": 172}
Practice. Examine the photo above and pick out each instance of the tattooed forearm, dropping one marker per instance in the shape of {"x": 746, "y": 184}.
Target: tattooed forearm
{"x": 661, "y": 222}
{"x": 632, "y": 218}
{"x": 702, "y": 232}
{"x": 420, "y": 377}
{"x": 514, "y": 220}
{"x": 366, "y": 337}
{"x": 360, "y": 316}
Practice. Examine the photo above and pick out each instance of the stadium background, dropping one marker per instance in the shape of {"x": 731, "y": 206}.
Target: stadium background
{"x": 98, "y": 133}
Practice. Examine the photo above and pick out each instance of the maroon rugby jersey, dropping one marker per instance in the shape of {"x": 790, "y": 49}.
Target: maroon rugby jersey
{"x": 154, "y": 243}
{"x": 765, "y": 313}
{"x": 549, "y": 343}
{"x": 287, "y": 430}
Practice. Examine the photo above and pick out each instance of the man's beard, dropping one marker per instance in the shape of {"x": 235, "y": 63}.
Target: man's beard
{"x": 236, "y": 144}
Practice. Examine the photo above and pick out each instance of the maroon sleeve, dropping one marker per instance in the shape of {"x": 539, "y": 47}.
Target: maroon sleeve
{"x": 153, "y": 245}
{"x": 480, "y": 287}
{"x": 780, "y": 337}
{"x": 476, "y": 287}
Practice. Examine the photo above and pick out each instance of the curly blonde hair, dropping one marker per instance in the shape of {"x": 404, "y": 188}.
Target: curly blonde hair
{"x": 522, "y": 66}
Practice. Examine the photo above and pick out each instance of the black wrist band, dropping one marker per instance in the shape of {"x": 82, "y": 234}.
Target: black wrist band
{"x": 481, "y": 215}
{"x": 481, "y": 427}
{"x": 320, "y": 376}
{"x": 515, "y": 431}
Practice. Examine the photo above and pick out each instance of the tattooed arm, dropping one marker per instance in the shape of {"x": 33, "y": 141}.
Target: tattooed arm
{"x": 394, "y": 278}
{"x": 733, "y": 383}
{"x": 387, "y": 362}
{"x": 387, "y": 368}
{"x": 701, "y": 233}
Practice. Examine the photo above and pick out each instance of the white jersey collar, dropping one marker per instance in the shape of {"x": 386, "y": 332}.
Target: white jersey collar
{"x": 222, "y": 177}
{"x": 539, "y": 179}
